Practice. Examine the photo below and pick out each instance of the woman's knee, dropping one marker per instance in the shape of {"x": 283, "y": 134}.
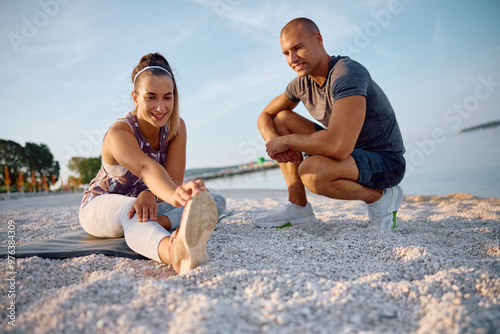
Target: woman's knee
{"x": 103, "y": 216}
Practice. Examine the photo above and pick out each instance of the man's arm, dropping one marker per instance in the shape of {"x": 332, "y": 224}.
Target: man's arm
{"x": 265, "y": 121}
{"x": 337, "y": 141}
{"x": 267, "y": 129}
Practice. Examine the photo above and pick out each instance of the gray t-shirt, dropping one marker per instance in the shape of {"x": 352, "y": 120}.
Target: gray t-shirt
{"x": 346, "y": 77}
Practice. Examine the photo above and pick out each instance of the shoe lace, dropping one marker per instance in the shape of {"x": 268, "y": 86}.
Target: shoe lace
{"x": 283, "y": 210}
{"x": 276, "y": 213}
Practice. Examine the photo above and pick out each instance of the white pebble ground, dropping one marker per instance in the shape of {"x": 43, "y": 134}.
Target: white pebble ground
{"x": 438, "y": 272}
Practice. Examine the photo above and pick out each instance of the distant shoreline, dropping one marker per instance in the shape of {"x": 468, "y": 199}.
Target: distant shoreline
{"x": 488, "y": 125}
{"x": 214, "y": 173}
{"x": 194, "y": 174}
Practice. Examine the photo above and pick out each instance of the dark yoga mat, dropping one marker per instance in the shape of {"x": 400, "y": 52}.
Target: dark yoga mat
{"x": 73, "y": 244}
{"x": 77, "y": 243}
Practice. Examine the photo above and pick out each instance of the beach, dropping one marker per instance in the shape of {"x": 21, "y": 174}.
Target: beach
{"x": 437, "y": 272}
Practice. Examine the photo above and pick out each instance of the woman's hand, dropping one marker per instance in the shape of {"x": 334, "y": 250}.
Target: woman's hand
{"x": 186, "y": 192}
{"x": 145, "y": 207}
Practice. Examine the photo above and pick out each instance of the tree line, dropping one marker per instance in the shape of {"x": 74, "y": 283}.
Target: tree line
{"x": 32, "y": 158}
{"x": 37, "y": 159}
{"x": 86, "y": 168}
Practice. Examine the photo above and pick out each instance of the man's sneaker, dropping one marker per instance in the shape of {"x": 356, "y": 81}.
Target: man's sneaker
{"x": 188, "y": 244}
{"x": 290, "y": 215}
{"x": 383, "y": 212}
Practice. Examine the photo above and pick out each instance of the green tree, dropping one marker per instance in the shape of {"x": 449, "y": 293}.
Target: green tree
{"x": 13, "y": 156}
{"x": 86, "y": 168}
{"x": 31, "y": 158}
{"x": 41, "y": 161}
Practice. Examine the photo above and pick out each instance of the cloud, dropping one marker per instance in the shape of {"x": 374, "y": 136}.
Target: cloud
{"x": 438, "y": 45}
{"x": 264, "y": 20}
{"x": 183, "y": 35}
{"x": 224, "y": 96}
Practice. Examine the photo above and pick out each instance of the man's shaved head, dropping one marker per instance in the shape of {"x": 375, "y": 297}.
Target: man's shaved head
{"x": 304, "y": 23}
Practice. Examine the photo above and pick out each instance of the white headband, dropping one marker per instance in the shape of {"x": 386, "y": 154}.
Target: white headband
{"x": 150, "y": 67}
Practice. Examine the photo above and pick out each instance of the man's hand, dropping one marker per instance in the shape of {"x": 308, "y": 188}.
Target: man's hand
{"x": 276, "y": 145}
{"x": 277, "y": 149}
{"x": 145, "y": 207}
{"x": 288, "y": 156}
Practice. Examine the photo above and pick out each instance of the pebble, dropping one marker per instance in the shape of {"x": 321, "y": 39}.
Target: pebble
{"x": 350, "y": 279}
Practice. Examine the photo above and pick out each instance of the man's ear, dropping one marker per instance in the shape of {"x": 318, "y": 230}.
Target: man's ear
{"x": 319, "y": 39}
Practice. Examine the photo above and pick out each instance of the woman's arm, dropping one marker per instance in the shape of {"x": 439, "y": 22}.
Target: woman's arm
{"x": 120, "y": 147}
{"x": 176, "y": 155}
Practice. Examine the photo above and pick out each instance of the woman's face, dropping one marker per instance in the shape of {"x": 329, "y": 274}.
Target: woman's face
{"x": 154, "y": 98}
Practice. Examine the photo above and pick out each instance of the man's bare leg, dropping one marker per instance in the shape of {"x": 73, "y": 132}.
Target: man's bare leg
{"x": 296, "y": 189}
{"x": 299, "y": 212}
{"x": 288, "y": 122}
{"x": 336, "y": 179}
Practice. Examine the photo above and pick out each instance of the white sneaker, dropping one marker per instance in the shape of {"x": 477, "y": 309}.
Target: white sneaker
{"x": 383, "y": 212}
{"x": 188, "y": 243}
{"x": 290, "y": 215}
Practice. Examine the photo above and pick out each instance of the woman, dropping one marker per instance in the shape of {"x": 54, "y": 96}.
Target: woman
{"x": 139, "y": 192}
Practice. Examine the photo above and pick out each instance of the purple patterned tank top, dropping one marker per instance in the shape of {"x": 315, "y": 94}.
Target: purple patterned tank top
{"x": 127, "y": 184}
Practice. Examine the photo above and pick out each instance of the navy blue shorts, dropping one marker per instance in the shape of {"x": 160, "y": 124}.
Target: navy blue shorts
{"x": 377, "y": 170}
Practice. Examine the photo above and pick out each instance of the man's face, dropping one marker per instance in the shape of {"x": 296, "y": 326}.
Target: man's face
{"x": 301, "y": 50}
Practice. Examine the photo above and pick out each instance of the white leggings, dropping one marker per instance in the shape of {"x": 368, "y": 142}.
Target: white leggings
{"x": 106, "y": 217}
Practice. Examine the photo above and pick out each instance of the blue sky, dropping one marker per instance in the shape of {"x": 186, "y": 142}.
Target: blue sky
{"x": 65, "y": 65}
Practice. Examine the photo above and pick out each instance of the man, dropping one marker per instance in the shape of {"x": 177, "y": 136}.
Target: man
{"x": 358, "y": 155}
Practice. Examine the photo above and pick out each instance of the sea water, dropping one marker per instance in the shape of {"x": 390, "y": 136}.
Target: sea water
{"x": 458, "y": 163}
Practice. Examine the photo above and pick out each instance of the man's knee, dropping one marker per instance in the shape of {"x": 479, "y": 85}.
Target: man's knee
{"x": 288, "y": 122}
{"x": 310, "y": 174}
{"x": 281, "y": 121}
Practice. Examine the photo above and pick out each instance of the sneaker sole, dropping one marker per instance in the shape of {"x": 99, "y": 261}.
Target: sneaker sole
{"x": 293, "y": 223}
{"x": 197, "y": 224}
{"x": 388, "y": 223}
